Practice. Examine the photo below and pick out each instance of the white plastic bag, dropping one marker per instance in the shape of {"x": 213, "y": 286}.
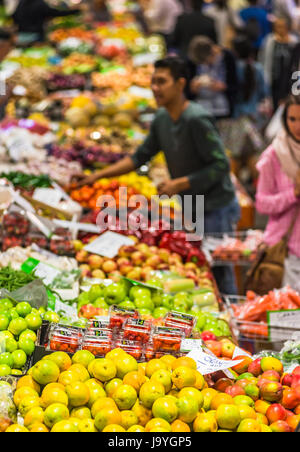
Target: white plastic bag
{"x": 275, "y": 124}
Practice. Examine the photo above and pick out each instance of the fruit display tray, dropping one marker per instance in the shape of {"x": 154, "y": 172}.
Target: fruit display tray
{"x": 247, "y": 333}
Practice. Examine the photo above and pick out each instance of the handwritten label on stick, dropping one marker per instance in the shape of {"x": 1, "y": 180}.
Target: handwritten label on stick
{"x": 207, "y": 364}
{"x": 108, "y": 244}
{"x": 283, "y": 325}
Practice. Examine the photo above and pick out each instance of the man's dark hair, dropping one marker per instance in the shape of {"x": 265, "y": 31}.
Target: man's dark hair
{"x": 200, "y": 49}
{"x": 197, "y": 5}
{"x": 176, "y": 66}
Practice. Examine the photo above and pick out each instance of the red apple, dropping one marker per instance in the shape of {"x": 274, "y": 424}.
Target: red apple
{"x": 227, "y": 349}
{"x": 286, "y": 379}
{"x": 271, "y": 375}
{"x": 215, "y": 347}
{"x": 280, "y": 427}
{"x": 296, "y": 371}
{"x": 243, "y": 366}
{"x": 276, "y": 412}
{"x": 222, "y": 384}
{"x": 290, "y": 398}
{"x": 235, "y": 390}
{"x": 295, "y": 381}
{"x": 208, "y": 336}
{"x": 255, "y": 368}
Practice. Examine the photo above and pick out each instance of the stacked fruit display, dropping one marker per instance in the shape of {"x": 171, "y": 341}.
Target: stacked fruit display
{"x": 140, "y": 262}
{"x": 153, "y": 304}
{"x": 118, "y": 394}
{"x": 88, "y": 195}
{"x": 18, "y": 326}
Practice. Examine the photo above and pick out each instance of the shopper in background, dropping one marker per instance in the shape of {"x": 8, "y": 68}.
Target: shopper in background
{"x": 161, "y": 16}
{"x": 215, "y": 81}
{"x": 30, "y": 16}
{"x": 190, "y": 25}
{"x": 289, "y": 9}
{"x": 278, "y": 191}
{"x": 257, "y": 24}
{"x": 98, "y": 11}
{"x": 194, "y": 152}
{"x": 276, "y": 56}
{"x": 252, "y": 87}
{"x": 227, "y": 20}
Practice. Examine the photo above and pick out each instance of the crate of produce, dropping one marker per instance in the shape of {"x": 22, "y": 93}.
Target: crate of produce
{"x": 239, "y": 248}
{"x": 250, "y": 325}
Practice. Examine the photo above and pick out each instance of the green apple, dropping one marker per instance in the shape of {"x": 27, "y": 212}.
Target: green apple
{"x": 138, "y": 292}
{"x": 52, "y": 317}
{"x": 180, "y": 305}
{"x": 155, "y": 283}
{"x": 184, "y": 297}
{"x": 6, "y": 304}
{"x": 100, "y": 303}
{"x": 157, "y": 299}
{"x": 144, "y": 303}
{"x": 145, "y": 312}
{"x": 6, "y": 358}
{"x": 114, "y": 294}
{"x": 95, "y": 292}
{"x": 167, "y": 301}
{"x": 127, "y": 304}
{"x": 160, "y": 312}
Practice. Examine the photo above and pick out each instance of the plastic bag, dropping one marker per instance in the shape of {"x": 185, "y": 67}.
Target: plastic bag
{"x": 8, "y": 411}
{"x": 34, "y": 293}
{"x": 275, "y": 124}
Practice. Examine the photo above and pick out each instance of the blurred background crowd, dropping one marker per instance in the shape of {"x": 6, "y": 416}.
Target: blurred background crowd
{"x": 243, "y": 58}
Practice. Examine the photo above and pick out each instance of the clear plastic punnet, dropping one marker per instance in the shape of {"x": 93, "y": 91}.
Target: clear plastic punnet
{"x": 180, "y": 320}
{"x": 65, "y": 338}
{"x": 118, "y": 316}
{"x": 98, "y": 344}
{"x": 167, "y": 339}
{"x": 137, "y": 330}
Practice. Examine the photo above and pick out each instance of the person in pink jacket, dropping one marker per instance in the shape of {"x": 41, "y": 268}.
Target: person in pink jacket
{"x": 278, "y": 191}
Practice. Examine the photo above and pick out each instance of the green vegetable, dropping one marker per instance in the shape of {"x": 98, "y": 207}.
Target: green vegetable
{"x": 12, "y": 280}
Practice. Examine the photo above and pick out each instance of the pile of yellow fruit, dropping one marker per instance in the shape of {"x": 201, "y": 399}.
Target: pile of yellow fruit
{"x": 118, "y": 394}
{"x": 112, "y": 394}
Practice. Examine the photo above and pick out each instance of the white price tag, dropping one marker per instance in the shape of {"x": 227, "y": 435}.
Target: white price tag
{"x": 143, "y": 93}
{"x": 48, "y": 196}
{"x": 69, "y": 311}
{"x": 144, "y": 59}
{"x": 46, "y": 272}
{"x": 284, "y": 325}
{"x": 191, "y": 344}
{"x": 108, "y": 244}
{"x": 207, "y": 364}
{"x": 240, "y": 352}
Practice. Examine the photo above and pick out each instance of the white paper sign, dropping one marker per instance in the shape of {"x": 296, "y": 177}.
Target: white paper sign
{"x": 284, "y": 325}
{"x": 70, "y": 311}
{"x": 239, "y": 352}
{"x": 108, "y": 244}
{"x": 48, "y": 196}
{"x": 191, "y": 344}
{"x": 207, "y": 364}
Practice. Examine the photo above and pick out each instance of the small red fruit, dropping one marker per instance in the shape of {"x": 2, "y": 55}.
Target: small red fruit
{"x": 276, "y": 412}
{"x": 280, "y": 427}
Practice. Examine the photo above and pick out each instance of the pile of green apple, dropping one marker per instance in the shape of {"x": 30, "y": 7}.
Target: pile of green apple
{"x": 18, "y": 326}
{"x": 149, "y": 303}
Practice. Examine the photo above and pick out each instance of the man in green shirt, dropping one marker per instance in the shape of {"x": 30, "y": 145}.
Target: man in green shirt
{"x": 193, "y": 149}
